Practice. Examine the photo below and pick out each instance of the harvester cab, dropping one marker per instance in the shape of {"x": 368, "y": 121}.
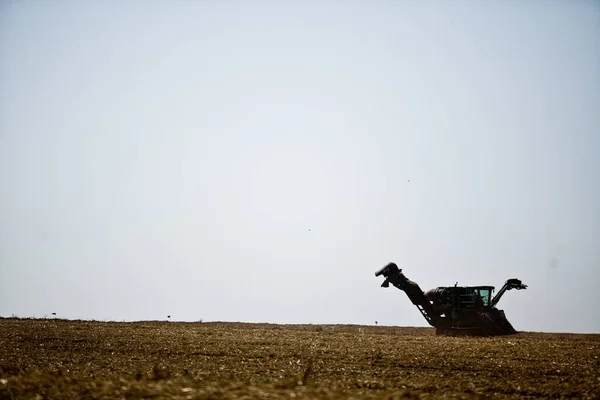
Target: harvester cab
{"x": 456, "y": 310}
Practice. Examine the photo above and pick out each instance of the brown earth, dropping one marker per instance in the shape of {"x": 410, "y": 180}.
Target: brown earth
{"x": 60, "y": 359}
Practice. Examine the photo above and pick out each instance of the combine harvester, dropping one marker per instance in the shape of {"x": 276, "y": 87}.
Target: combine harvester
{"x": 456, "y": 310}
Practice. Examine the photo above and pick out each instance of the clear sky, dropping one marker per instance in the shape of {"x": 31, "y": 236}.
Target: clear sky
{"x": 260, "y": 160}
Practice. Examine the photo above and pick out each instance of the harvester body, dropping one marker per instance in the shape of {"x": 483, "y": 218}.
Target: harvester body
{"x": 456, "y": 310}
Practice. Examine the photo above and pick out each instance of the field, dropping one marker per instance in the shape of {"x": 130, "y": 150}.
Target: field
{"x": 61, "y": 359}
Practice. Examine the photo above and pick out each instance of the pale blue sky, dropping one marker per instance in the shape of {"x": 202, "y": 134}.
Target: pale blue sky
{"x": 250, "y": 160}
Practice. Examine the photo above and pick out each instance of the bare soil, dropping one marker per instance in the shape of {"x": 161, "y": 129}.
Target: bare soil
{"x": 62, "y": 359}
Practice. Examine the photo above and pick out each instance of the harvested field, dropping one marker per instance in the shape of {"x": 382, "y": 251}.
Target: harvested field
{"x": 52, "y": 359}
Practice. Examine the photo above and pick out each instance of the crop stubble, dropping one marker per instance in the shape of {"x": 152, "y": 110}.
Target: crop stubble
{"x": 50, "y": 358}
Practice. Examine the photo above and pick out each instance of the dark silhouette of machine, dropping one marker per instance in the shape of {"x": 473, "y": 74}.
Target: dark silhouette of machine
{"x": 456, "y": 310}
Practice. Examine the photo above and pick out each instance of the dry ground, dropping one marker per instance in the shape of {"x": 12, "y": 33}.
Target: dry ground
{"x": 60, "y": 359}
